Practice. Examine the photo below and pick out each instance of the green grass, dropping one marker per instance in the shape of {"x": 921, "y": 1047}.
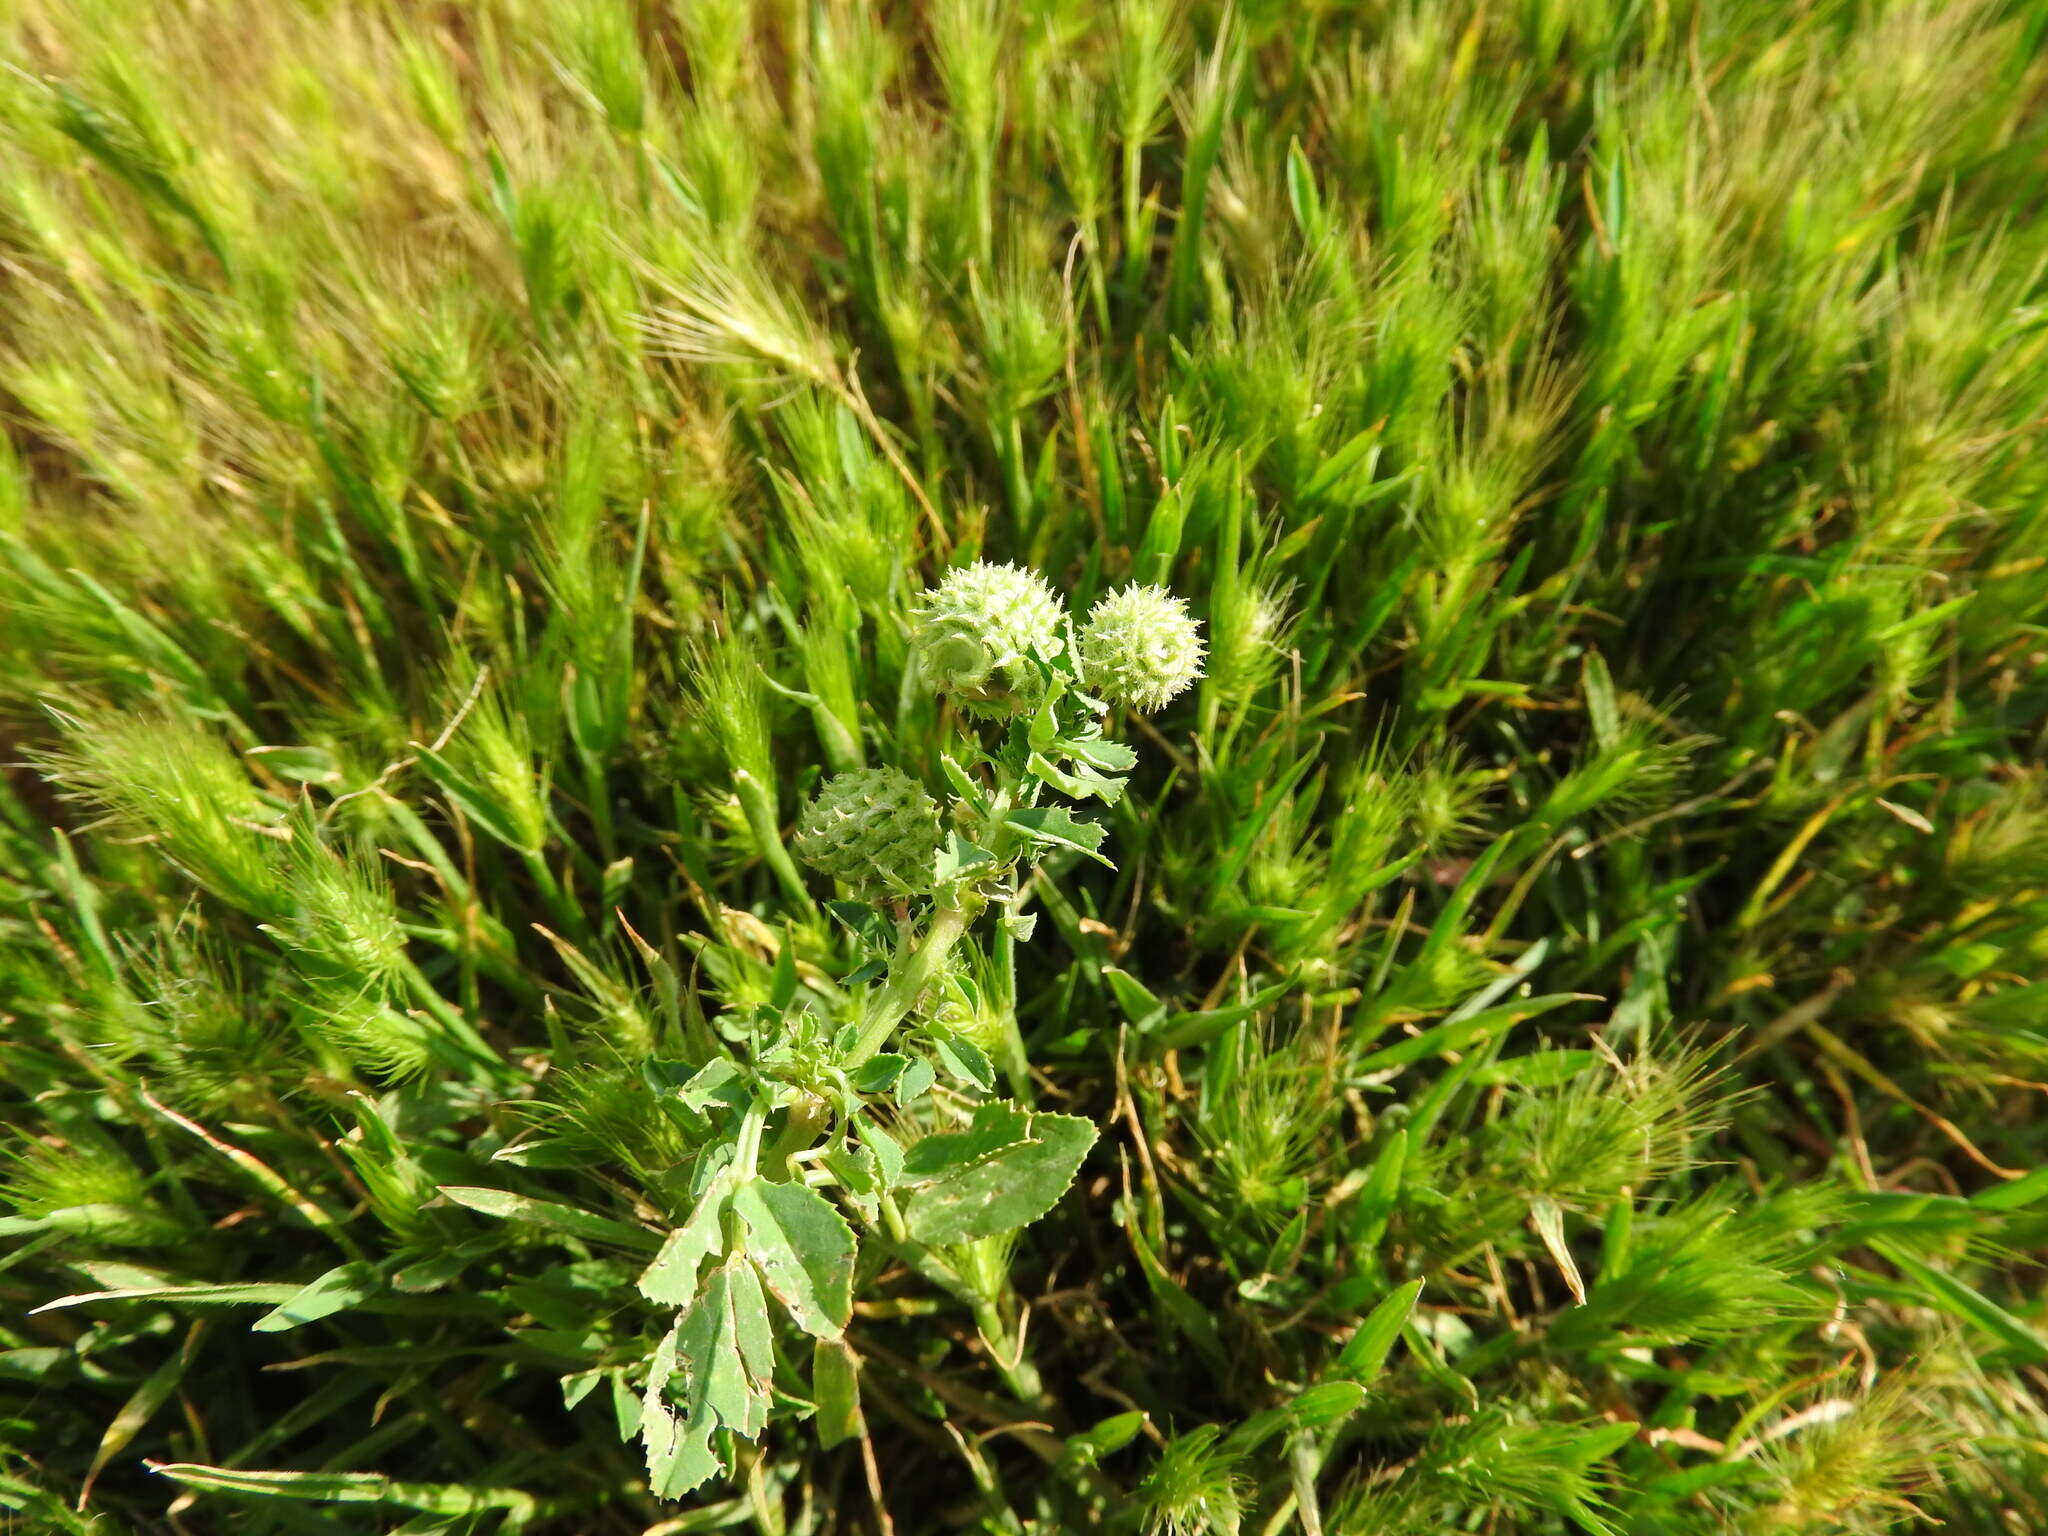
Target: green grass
{"x": 1560, "y": 1046}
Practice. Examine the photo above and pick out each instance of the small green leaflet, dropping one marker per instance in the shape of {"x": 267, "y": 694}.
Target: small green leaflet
{"x": 913, "y": 1082}
{"x": 963, "y": 1060}
{"x": 1096, "y": 752}
{"x": 859, "y": 1173}
{"x": 804, "y": 1249}
{"x": 711, "y": 1084}
{"x": 723, "y": 1347}
{"x": 878, "y": 1073}
{"x": 1055, "y": 827}
{"x": 888, "y": 1152}
{"x": 671, "y": 1280}
{"x": 1082, "y": 784}
{"x": 956, "y": 856}
{"x": 995, "y": 1126}
{"x": 962, "y": 782}
{"x": 1005, "y": 1170}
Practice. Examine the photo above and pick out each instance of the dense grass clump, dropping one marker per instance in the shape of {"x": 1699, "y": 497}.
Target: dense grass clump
{"x": 1024, "y": 766}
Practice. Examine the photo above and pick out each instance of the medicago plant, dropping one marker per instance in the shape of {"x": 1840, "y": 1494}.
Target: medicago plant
{"x": 587, "y": 948}
{"x": 804, "y": 1104}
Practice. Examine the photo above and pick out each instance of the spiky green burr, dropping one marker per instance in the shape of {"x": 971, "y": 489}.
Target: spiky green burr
{"x": 874, "y": 828}
{"x": 1140, "y": 647}
{"x": 982, "y": 632}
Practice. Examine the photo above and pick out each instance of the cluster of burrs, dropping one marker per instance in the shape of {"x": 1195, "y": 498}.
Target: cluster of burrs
{"x": 989, "y": 636}
{"x": 982, "y": 632}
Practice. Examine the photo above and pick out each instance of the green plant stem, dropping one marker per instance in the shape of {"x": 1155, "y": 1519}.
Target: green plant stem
{"x": 911, "y": 973}
{"x": 1004, "y": 1348}
{"x": 759, "y": 810}
{"x": 474, "y": 1049}
{"x": 599, "y": 796}
{"x": 1016, "y": 1062}
{"x": 1007, "y": 1351}
{"x": 807, "y": 1117}
{"x": 566, "y": 912}
{"x": 1134, "y": 252}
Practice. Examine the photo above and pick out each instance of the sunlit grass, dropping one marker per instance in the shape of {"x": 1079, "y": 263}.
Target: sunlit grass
{"x": 467, "y": 477}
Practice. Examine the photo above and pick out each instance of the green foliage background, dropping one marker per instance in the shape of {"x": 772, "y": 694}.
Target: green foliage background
{"x": 466, "y": 474}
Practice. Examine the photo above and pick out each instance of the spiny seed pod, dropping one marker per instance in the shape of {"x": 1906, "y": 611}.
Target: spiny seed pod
{"x": 874, "y": 828}
{"x": 980, "y": 632}
{"x": 1140, "y": 647}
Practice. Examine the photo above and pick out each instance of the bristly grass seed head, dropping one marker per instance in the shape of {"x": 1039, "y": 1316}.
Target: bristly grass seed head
{"x": 169, "y": 779}
{"x": 1196, "y": 1489}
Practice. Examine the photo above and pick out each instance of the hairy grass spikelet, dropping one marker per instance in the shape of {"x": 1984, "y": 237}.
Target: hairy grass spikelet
{"x": 980, "y": 633}
{"x": 1196, "y": 1489}
{"x": 874, "y": 828}
{"x": 1141, "y": 647}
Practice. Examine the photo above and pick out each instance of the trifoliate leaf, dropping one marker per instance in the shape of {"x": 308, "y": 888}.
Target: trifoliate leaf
{"x": 724, "y": 1349}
